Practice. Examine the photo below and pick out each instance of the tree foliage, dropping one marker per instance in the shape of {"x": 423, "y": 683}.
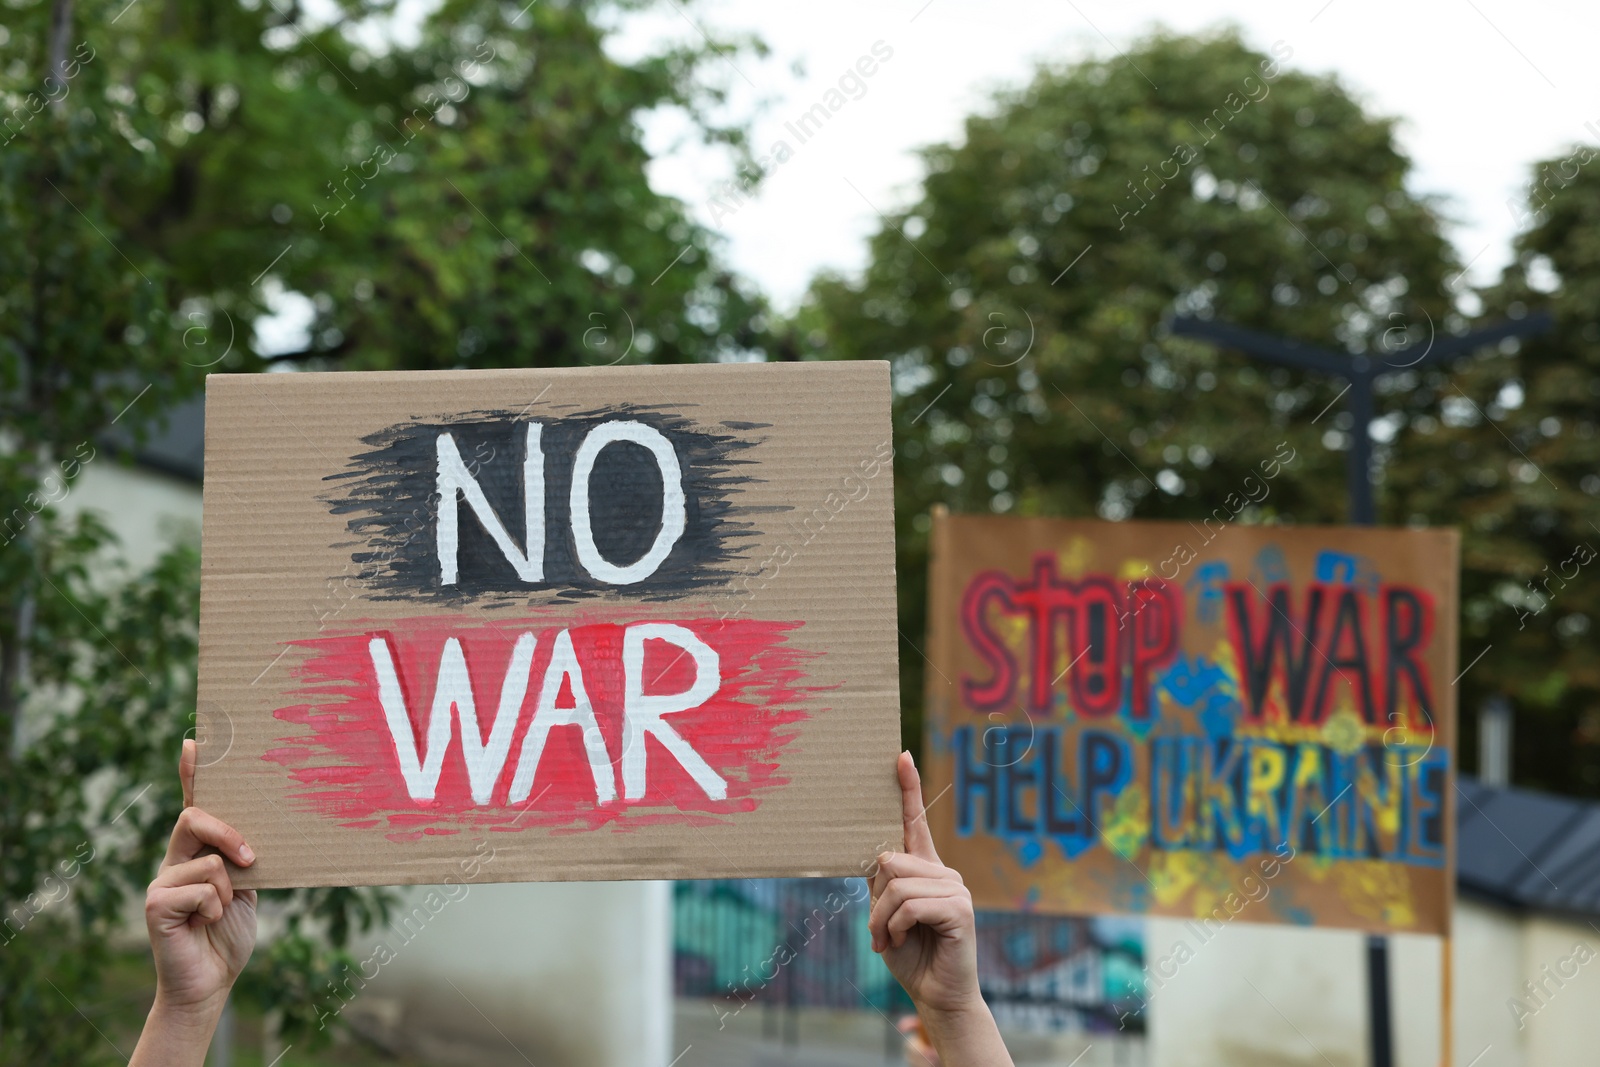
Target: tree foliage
{"x": 474, "y": 194}
{"x": 1515, "y": 461}
{"x": 515, "y": 224}
{"x": 90, "y": 789}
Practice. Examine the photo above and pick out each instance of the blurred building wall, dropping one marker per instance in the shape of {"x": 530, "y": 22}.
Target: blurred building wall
{"x": 1490, "y": 961}
{"x": 1254, "y": 995}
{"x": 1566, "y": 1026}
{"x": 559, "y": 974}
{"x": 1272, "y": 995}
{"x": 148, "y": 510}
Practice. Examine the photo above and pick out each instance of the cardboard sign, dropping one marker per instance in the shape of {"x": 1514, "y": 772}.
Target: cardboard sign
{"x": 1201, "y": 720}
{"x": 596, "y": 623}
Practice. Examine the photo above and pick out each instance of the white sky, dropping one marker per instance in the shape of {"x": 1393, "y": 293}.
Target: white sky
{"x": 1484, "y": 87}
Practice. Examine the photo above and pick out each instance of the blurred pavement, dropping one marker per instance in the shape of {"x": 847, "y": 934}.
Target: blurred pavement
{"x": 755, "y": 1037}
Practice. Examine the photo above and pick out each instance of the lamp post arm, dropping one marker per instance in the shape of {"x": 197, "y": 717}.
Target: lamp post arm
{"x": 1440, "y": 349}
{"x": 1264, "y": 346}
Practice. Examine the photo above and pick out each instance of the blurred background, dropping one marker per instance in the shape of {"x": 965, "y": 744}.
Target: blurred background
{"x": 1011, "y": 202}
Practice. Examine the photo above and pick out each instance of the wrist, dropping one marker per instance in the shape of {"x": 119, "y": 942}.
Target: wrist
{"x": 178, "y": 1031}
{"x": 196, "y": 1016}
{"x": 949, "y": 1018}
{"x": 964, "y": 1031}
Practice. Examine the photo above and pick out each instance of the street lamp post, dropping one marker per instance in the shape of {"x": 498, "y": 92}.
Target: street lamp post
{"x": 1361, "y": 372}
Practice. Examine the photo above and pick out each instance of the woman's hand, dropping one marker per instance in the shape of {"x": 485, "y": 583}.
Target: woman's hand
{"x": 923, "y": 926}
{"x": 201, "y": 931}
{"x": 922, "y": 920}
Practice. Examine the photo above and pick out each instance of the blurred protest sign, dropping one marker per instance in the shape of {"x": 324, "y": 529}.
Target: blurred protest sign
{"x": 1200, "y": 720}
{"x": 598, "y": 623}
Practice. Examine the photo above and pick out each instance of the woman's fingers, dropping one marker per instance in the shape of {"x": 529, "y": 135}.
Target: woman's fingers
{"x": 186, "y": 761}
{"x": 919, "y": 839}
{"x": 207, "y": 869}
{"x": 942, "y": 914}
{"x": 893, "y": 865}
{"x": 893, "y": 901}
{"x": 197, "y": 831}
{"x": 196, "y": 904}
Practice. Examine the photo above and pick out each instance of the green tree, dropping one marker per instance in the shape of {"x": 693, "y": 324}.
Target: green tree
{"x": 1022, "y": 297}
{"x": 112, "y": 233}
{"x": 1514, "y": 458}
{"x": 498, "y": 211}
{"x": 169, "y": 167}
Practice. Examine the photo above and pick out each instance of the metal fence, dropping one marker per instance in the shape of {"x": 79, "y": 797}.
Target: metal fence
{"x": 786, "y": 944}
{"x": 1053, "y": 973}
{"x": 785, "y": 941}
